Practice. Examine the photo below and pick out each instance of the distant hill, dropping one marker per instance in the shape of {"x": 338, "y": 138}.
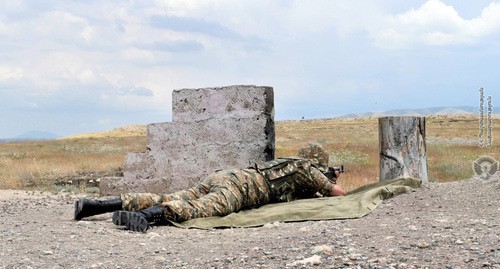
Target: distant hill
{"x": 417, "y": 112}
{"x": 140, "y": 130}
{"x": 32, "y": 135}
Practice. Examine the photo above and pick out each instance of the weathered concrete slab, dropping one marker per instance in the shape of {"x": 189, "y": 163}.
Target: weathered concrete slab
{"x": 237, "y": 102}
{"x": 212, "y": 129}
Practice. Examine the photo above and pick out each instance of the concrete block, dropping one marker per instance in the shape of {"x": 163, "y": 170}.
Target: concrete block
{"x": 212, "y": 129}
{"x": 239, "y": 102}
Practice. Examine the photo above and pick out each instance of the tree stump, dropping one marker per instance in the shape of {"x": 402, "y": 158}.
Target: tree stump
{"x": 402, "y": 148}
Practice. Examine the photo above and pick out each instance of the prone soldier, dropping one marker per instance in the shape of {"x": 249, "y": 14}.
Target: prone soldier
{"x": 225, "y": 192}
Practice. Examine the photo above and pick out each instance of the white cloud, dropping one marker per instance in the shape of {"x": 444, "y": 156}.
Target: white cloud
{"x": 9, "y": 73}
{"x": 140, "y": 55}
{"x": 55, "y": 71}
{"x": 183, "y": 7}
{"x": 3, "y": 28}
{"x": 63, "y": 26}
{"x": 127, "y": 56}
{"x": 87, "y": 33}
{"x": 437, "y": 24}
{"x": 86, "y": 77}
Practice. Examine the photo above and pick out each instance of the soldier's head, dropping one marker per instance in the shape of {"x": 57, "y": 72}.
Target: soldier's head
{"x": 318, "y": 156}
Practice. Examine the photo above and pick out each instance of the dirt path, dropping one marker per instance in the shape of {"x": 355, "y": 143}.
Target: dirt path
{"x": 448, "y": 225}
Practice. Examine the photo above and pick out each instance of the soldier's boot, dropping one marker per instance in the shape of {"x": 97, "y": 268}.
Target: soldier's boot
{"x": 139, "y": 221}
{"x": 86, "y": 207}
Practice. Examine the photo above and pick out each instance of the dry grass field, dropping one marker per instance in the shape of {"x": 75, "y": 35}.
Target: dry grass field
{"x": 42, "y": 164}
{"x": 452, "y": 145}
{"x": 452, "y": 148}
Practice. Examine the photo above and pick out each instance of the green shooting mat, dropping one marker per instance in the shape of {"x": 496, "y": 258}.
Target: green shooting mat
{"x": 356, "y": 204}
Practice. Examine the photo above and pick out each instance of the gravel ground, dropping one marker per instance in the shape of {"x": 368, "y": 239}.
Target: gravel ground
{"x": 445, "y": 225}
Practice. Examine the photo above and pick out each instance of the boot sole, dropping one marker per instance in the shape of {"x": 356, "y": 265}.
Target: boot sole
{"x": 133, "y": 221}
{"x": 78, "y": 210}
{"x": 120, "y": 218}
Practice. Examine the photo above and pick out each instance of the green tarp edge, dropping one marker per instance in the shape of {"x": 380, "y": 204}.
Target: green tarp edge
{"x": 356, "y": 204}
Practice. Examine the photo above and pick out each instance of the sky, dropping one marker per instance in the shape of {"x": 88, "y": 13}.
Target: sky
{"x": 72, "y": 67}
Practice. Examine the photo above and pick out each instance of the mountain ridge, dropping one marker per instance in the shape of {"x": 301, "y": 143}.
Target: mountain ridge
{"x": 140, "y": 130}
{"x": 31, "y": 135}
{"x": 417, "y": 112}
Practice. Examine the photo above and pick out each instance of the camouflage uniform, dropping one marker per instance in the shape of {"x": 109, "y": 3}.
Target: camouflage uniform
{"x": 229, "y": 191}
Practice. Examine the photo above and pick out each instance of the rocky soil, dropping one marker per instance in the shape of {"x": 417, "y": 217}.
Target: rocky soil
{"x": 446, "y": 225}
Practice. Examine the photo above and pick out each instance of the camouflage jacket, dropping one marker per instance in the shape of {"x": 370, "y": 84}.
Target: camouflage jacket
{"x": 293, "y": 178}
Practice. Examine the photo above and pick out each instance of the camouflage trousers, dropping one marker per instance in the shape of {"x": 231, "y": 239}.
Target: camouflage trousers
{"x": 219, "y": 194}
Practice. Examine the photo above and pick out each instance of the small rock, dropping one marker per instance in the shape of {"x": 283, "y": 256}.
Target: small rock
{"x": 381, "y": 260}
{"x": 423, "y": 244}
{"x": 354, "y": 256}
{"x": 304, "y": 229}
{"x": 153, "y": 235}
{"x": 314, "y": 260}
{"x": 459, "y": 242}
{"x": 402, "y": 265}
{"x": 321, "y": 249}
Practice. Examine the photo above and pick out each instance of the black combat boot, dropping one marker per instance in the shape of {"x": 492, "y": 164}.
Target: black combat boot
{"x": 86, "y": 207}
{"x": 138, "y": 221}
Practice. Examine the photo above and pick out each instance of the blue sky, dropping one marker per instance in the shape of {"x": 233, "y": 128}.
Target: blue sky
{"x": 71, "y": 67}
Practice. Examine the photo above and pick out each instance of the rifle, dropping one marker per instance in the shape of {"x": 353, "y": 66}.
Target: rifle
{"x": 331, "y": 173}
